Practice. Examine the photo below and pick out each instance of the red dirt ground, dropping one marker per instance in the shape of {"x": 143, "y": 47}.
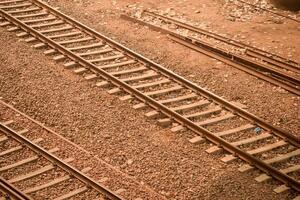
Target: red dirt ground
{"x": 122, "y": 136}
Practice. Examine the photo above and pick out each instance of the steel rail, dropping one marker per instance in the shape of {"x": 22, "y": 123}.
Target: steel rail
{"x": 236, "y": 61}
{"x": 254, "y": 51}
{"x": 63, "y": 165}
{"x": 11, "y": 191}
{"x": 233, "y": 61}
{"x": 170, "y": 113}
{"x": 270, "y": 11}
{"x": 179, "y": 79}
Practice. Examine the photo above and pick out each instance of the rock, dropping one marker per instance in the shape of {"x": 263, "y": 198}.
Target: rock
{"x": 129, "y": 162}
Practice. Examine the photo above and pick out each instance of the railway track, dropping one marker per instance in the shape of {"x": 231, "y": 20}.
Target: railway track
{"x": 22, "y": 155}
{"x": 36, "y": 163}
{"x": 260, "y": 63}
{"x": 171, "y": 99}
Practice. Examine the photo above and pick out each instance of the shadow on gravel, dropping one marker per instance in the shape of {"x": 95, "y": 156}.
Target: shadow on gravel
{"x": 293, "y": 5}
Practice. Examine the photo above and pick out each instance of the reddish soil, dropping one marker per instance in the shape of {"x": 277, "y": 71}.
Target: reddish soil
{"x": 123, "y": 137}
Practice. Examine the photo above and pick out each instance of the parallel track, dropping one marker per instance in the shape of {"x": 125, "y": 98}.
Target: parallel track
{"x": 8, "y": 135}
{"x": 174, "y": 100}
{"x": 264, "y": 65}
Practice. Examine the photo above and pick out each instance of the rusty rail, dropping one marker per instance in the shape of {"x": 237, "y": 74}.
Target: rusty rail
{"x": 162, "y": 108}
{"x": 250, "y": 50}
{"x": 234, "y": 60}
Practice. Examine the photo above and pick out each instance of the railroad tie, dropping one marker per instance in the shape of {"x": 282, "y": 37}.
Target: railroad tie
{"x": 31, "y": 15}
{"x": 31, "y": 21}
{"x": 16, "y": 6}
{"x": 37, "y": 172}
{"x": 70, "y": 64}
{"x": 281, "y": 189}
{"x": 114, "y": 90}
{"x": 126, "y": 97}
{"x": 65, "y": 35}
{"x": 5, "y": 23}
{"x": 56, "y": 181}
{"x": 11, "y": 1}
{"x": 279, "y": 158}
{"x": 48, "y": 184}
{"x": 90, "y": 77}
{"x": 152, "y": 114}
{"x": 114, "y": 65}
{"x": 66, "y": 42}
{"x": 235, "y": 130}
{"x": 24, "y": 10}
{"x": 30, "y": 39}
{"x": 97, "y": 52}
{"x": 39, "y": 45}
{"x": 266, "y": 148}
{"x": 123, "y": 72}
{"x": 164, "y": 91}
{"x": 263, "y": 136}
{"x": 178, "y": 99}
{"x": 47, "y": 24}
{"x": 80, "y": 70}
{"x": 22, "y": 131}
{"x": 7, "y": 123}
{"x": 59, "y": 57}
{"x": 151, "y": 84}
{"x": 14, "y": 28}
{"x": 206, "y": 122}
{"x": 22, "y": 34}
{"x": 145, "y": 76}
{"x": 3, "y": 139}
{"x": 24, "y": 161}
{"x": 165, "y": 122}
{"x": 99, "y": 44}
{"x": 65, "y": 28}
{"x": 197, "y": 140}
{"x": 50, "y": 52}
{"x": 102, "y": 84}
{"x": 191, "y": 106}
{"x": 105, "y": 59}
{"x": 177, "y": 128}
{"x": 264, "y": 177}
{"x": 205, "y": 113}
{"x": 72, "y": 193}
{"x": 17, "y": 148}
{"x": 139, "y": 106}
